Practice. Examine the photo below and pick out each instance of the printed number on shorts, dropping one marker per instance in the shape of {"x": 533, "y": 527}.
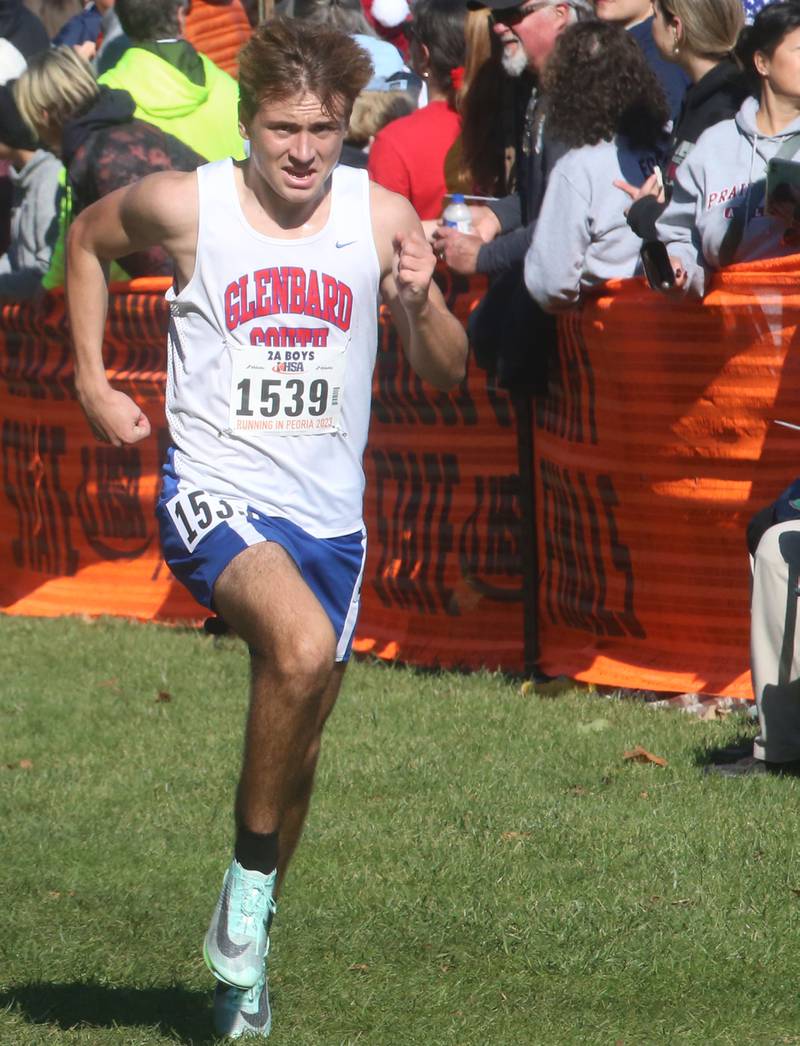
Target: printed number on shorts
{"x": 195, "y": 513}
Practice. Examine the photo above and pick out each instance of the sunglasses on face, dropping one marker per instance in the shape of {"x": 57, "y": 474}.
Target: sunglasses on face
{"x": 512, "y": 16}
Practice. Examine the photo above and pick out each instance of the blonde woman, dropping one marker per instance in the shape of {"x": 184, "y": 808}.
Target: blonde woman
{"x": 93, "y": 130}
{"x": 718, "y": 213}
{"x": 699, "y": 36}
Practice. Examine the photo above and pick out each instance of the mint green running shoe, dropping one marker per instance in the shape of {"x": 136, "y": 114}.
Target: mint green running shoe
{"x": 242, "y": 1012}
{"x": 236, "y": 943}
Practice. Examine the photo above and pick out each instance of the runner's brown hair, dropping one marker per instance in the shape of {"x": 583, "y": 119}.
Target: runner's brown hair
{"x": 286, "y": 56}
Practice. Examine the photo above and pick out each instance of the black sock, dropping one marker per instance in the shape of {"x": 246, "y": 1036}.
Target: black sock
{"x": 256, "y": 852}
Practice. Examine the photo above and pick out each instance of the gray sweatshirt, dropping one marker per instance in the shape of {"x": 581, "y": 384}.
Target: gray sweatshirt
{"x": 716, "y": 214}
{"x": 582, "y": 237}
{"x": 34, "y": 226}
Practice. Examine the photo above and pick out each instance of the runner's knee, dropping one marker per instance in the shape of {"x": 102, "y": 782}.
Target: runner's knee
{"x": 302, "y": 662}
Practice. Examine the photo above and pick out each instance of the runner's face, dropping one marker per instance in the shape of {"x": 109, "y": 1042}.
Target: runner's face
{"x": 294, "y": 146}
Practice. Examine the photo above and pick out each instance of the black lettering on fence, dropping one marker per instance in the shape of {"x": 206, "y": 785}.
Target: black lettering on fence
{"x": 402, "y": 398}
{"x": 108, "y": 504}
{"x": 32, "y": 483}
{"x": 569, "y": 409}
{"x": 486, "y": 561}
{"x": 414, "y": 531}
{"x": 581, "y": 542}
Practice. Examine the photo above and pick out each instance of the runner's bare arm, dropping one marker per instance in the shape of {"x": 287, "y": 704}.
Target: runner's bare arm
{"x": 434, "y": 340}
{"x": 159, "y": 210}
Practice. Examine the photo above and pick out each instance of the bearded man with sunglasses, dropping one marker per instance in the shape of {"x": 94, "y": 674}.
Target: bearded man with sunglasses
{"x": 503, "y": 326}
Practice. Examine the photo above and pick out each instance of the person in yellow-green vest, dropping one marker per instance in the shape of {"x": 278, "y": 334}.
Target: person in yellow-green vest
{"x": 174, "y": 86}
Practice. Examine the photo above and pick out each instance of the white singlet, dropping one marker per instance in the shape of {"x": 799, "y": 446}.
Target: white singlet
{"x": 271, "y": 349}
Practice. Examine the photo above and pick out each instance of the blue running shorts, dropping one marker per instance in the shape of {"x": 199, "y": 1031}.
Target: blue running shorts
{"x": 201, "y": 533}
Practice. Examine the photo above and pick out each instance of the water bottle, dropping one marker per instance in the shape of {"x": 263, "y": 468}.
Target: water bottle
{"x": 456, "y": 214}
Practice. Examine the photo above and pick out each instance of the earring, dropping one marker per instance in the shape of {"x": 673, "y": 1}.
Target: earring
{"x": 676, "y": 46}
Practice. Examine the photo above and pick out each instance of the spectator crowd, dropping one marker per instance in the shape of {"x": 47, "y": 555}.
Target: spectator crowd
{"x": 592, "y": 139}
{"x": 570, "y": 125}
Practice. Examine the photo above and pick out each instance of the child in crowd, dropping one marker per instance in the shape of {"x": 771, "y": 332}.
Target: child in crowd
{"x": 34, "y": 210}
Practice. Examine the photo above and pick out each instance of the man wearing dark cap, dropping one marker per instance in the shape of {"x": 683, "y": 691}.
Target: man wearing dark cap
{"x": 35, "y": 174}
{"x": 505, "y": 326}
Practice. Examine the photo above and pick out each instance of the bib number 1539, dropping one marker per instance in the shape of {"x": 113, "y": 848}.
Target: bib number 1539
{"x": 272, "y": 401}
{"x": 271, "y": 398}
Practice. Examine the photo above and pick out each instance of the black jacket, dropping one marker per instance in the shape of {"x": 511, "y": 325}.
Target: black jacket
{"x": 105, "y": 149}
{"x": 537, "y": 154}
{"x": 715, "y": 97}
{"x": 22, "y": 29}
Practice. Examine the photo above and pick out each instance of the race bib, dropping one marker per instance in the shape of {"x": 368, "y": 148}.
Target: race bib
{"x": 286, "y": 392}
{"x": 196, "y": 513}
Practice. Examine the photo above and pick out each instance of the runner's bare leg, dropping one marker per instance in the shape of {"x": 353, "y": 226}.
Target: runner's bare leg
{"x": 295, "y": 814}
{"x": 263, "y": 597}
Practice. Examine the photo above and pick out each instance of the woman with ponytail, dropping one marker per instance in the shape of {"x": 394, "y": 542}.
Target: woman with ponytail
{"x": 719, "y": 213}
{"x": 408, "y": 156}
{"x": 699, "y": 36}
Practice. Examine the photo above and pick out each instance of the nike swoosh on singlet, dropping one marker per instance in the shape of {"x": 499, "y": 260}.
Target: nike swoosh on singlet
{"x": 346, "y": 243}
{"x": 259, "y": 1018}
{"x": 224, "y": 943}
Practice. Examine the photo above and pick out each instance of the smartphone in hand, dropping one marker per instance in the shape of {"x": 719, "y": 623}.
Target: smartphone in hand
{"x": 657, "y": 266}
{"x": 782, "y": 199}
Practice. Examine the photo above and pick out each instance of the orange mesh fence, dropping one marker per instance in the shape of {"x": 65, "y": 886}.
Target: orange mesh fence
{"x": 78, "y": 535}
{"x": 76, "y": 516}
{"x": 654, "y": 448}
{"x": 443, "y": 583}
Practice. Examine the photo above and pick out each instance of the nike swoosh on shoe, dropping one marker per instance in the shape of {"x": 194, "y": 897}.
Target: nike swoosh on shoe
{"x": 224, "y": 943}
{"x": 261, "y": 1016}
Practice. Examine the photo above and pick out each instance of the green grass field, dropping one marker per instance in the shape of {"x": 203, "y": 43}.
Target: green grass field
{"x": 479, "y": 866}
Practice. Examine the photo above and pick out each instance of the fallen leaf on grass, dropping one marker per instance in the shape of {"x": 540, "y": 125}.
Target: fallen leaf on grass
{"x": 510, "y": 837}
{"x": 714, "y": 712}
{"x": 593, "y": 727}
{"x": 554, "y": 687}
{"x": 358, "y": 967}
{"x": 641, "y": 755}
{"x": 23, "y": 764}
{"x": 164, "y": 697}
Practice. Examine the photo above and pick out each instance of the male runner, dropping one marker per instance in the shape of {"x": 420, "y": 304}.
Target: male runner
{"x": 279, "y": 263}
